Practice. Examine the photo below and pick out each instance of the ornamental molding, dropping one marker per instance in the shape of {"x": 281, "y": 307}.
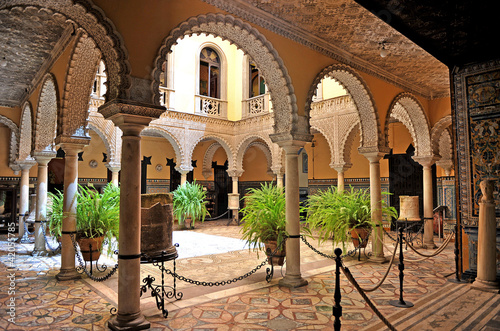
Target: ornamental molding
{"x": 279, "y": 26}
{"x": 437, "y": 131}
{"x": 259, "y": 141}
{"x": 107, "y": 131}
{"x": 72, "y": 120}
{"x": 174, "y": 137}
{"x": 14, "y": 140}
{"x": 25, "y": 131}
{"x": 406, "y": 109}
{"x": 46, "y": 116}
{"x": 140, "y": 90}
{"x": 207, "y": 159}
{"x": 91, "y": 19}
{"x": 136, "y": 109}
{"x": 255, "y": 45}
{"x": 371, "y": 135}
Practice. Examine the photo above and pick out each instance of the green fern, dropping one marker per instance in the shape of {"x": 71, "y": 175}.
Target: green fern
{"x": 189, "y": 202}
{"x": 264, "y": 216}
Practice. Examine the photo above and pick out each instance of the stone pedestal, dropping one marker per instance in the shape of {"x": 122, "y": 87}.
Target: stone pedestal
{"x": 409, "y": 208}
{"x": 293, "y": 277}
{"x": 486, "y": 250}
{"x": 68, "y": 271}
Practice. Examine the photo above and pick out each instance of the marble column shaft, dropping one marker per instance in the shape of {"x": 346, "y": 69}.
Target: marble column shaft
{"x": 428, "y": 208}
{"x": 24, "y": 197}
{"x": 293, "y": 277}
{"x": 376, "y": 206}
{"x": 68, "y": 271}
{"x": 41, "y": 204}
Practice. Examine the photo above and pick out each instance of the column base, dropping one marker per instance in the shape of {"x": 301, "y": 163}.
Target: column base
{"x": 292, "y": 281}
{"x": 486, "y": 285}
{"x": 68, "y": 274}
{"x": 127, "y": 322}
{"x": 378, "y": 259}
{"x": 429, "y": 245}
{"x": 40, "y": 252}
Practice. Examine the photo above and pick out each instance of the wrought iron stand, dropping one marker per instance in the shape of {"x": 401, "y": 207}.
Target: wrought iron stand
{"x": 161, "y": 292}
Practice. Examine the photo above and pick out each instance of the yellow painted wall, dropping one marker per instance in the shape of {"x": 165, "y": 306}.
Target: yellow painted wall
{"x": 439, "y": 108}
{"x": 320, "y": 167}
{"x": 4, "y": 151}
{"x": 93, "y": 152}
{"x": 332, "y": 89}
{"x": 159, "y": 149}
{"x": 399, "y": 138}
{"x": 255, "y": 166}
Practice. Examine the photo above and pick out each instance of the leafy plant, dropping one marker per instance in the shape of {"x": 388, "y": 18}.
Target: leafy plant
{"x": 98, "y": 214}
{"x": 334, "y": 212}
{"x": 264, "y": 216}
{"x": 189, "y": 202}
{"x": 55, "y": 212}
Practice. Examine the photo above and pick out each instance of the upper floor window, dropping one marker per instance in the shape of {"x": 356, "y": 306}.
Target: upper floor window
{"x": 209, "y": 73}
{"x": 257, "y": 83}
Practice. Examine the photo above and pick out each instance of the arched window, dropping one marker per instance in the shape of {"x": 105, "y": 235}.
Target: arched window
{"x": 209, "y": 73}
{"x": 257, "y": 83}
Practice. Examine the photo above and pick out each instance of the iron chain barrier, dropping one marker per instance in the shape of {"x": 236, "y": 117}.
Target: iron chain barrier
{"x": 44, "y": 232}
{"x": 82, "y": 267}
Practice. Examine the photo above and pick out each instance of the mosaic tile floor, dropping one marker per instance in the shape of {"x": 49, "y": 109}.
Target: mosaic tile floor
{"x": 43, "y": 303}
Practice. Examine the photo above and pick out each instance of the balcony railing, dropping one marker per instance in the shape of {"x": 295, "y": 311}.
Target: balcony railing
{"x": 256, "y": 106}
{"x": 210, "y": 106}
{"x": 334, "y": 105}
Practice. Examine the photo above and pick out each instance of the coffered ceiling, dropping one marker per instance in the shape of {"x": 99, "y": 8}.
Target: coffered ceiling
{"x": 452, "y": 31}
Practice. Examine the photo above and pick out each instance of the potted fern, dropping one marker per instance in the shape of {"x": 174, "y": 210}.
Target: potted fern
{"x": 264, "y": 222}
{"x": 97, "y": 218}
{"x": 189, "y": 204}
{"x": 343, "y": 214}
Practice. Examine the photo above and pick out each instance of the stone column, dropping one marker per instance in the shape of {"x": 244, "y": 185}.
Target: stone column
{"x": 376, "y": 206}
{"x": 293, "y": 277}
{"x": 24, "y": 194}
{"x": 340, "y": 168}
{"x": 68, "y": 271}
{"x": 427, "y": 163}
{"x": 115, "y": 171}
{"x": 486, "y": 242}
{"x": 278, "y": 172}
{"x": 447, "y": 165}
{"x": 42, "y": 159}
{"x": 131, "y": 117}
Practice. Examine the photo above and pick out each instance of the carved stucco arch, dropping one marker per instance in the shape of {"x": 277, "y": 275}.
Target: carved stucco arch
{"x": 265, "y": 146}
{"x": 329, "y": 139}
{"x": 437, "y": 130}
{"x": 208, "y": 157}
{"x": 178, "y": 150}
{"x": 46, "y": 116}
{"x": 72, "y": 120}
{"x": 406, "y": 109}
{"x": 25, "y": 130}
{"x": 95, "y": 23}
{"x": 267, "y": 153}
{"x": 221, "y": 140}
{"x": 14, "y": 138}
{"x": 94, "y": 126}
{"x": 347, "y": 142}
{"x": 371, "y": 136}
{"x": 252, "y": 43}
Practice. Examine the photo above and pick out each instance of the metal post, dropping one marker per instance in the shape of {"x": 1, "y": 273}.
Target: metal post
{"x": 457, "y": 260}
{"x": 401, "y": 303}
{"x": 337, "y": 308}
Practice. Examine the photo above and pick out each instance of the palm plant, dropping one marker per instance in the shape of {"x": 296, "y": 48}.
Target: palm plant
{"x": 189, "y": 202}
{"x": 264, "y": 216}
{"x": 334, "y": 212}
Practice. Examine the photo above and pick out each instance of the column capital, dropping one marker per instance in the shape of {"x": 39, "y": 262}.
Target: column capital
{"x": 374, "y": 154}
{"x": 113, "y": 166}
{"x": 73, "y": 147}
{"x": 341, "y": 167}
{"x": 183, "y": 169}
{"x": 235, "y": 173}
{"x": 425, "y": 161}
{"x": 278, "y": 170}
{"x": 26, "y": 164}
{"x": 72, "y": 140}
{"x": 130, "y": 116}
{"x": 44, "y": 157}
{"x": 291, "y": 146}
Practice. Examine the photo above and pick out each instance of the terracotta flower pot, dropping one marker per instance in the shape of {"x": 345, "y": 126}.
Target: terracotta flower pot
{"x": 85, "y": 248}
{"x": 279, "y": 257}
{"x": 360, "y": 237}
